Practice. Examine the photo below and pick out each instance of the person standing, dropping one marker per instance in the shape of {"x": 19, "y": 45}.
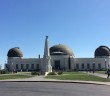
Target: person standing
{"x": 93, "y": 71}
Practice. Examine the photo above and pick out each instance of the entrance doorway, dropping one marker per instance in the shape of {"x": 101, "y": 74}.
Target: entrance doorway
{"x": 57, "y": 65}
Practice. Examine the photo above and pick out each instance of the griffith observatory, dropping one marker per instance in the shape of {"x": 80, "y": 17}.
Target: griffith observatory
{"x": 57, "y": 57}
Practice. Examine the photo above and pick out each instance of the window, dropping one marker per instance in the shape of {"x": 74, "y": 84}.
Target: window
{"x": 88, "y": 66}
{"x": 99, "y": 66}
{"x": 32, "y": 66}
{"x": 27, "y": 66}
{"x": 37, "y": 66}
{"x": 57, "y": 64}
{"x": 77, "y": 66}
{"x": 6, "y": 65}
{"x": 93, "y": 65}
{"x": 82, "y": 66}
{"x": 22, "y": 66}
{"x": 16, "y": 66}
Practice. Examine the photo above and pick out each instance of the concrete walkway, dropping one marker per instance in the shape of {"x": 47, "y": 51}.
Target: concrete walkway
{"x": 43, "y": 79}
{"x": 97, "y": 74}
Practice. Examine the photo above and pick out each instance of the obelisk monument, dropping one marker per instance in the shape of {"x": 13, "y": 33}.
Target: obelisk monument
{"x": 47, "y": 58}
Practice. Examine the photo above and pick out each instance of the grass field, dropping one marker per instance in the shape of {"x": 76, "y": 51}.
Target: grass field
{"x": 13, "y": 76}
{"x": 77, "y": 76}
{"x": 24, "y": 73}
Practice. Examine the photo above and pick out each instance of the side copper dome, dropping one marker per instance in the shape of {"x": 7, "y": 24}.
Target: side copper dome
{"x": 15, "y": 52}
{"x": 102, "y": 51}
{"x": 61, "y": 50}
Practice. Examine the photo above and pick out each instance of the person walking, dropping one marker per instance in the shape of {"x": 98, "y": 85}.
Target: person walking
{"x": 108, "y": 73}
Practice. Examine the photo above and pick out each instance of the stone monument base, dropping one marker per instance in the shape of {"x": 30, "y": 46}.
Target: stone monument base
{"x": 46, "y": 73}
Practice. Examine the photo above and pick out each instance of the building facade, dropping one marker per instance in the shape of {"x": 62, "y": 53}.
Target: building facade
{"x": 61, "y": 58}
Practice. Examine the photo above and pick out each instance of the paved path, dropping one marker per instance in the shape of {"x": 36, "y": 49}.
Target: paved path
{"x": 99, "y": 75}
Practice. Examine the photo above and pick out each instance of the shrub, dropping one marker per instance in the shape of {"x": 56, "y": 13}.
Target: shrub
{"x": 52, "y": 73}
{"x": 59, "y": 73}
{"x": 37, "y": 70}
{"x": 4, "y": 72}
{"x": 34, "y": 73}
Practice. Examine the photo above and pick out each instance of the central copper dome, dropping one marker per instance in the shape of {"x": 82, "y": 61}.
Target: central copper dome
{"x": 61, "y": 50}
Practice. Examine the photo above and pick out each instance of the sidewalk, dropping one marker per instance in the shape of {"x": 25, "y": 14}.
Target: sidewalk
{"x": 43, "y": 79}
{"x": 97, "y": 74}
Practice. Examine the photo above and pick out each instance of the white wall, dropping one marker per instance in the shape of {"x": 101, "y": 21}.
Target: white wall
{"x": 105, "y": 62}
{"x": 24, "y": 61}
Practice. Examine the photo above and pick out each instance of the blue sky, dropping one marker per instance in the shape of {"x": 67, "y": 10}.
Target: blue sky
{"x": 82, "y": 25}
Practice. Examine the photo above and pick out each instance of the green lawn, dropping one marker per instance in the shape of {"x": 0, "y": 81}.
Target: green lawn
{"x": 24, "y": 73}
{"x": 77, "y": 76}
{"x": 72, "y": 73}
{"x": 13, "y": 76}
